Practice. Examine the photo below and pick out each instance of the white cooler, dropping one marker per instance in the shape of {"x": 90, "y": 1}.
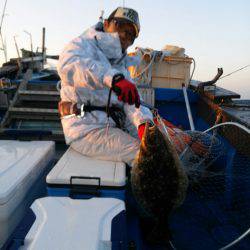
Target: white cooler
{"x": 21, "y": 166}
{"x": 86, "y": 177}
{"x": 63, "y": 223}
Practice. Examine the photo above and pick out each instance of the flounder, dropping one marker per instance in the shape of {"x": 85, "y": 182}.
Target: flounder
{"x": 158, "y": 180}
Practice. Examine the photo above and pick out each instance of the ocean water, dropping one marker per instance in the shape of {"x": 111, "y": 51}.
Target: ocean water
{"x": 237, "y": 83}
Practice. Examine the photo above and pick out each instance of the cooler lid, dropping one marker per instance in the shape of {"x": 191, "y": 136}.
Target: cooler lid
{"x": 64, "y": 223}
{"x": 18, "y": 161}
{"x": 72, "y": 163}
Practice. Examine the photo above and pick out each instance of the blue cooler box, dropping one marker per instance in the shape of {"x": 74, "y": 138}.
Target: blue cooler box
{"x": 62, "y": 223}
{"x": 78, "y": 176}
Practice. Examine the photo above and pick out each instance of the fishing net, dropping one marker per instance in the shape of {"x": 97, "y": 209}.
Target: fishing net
{"x": 197, "y": 150}
{"x": 216, "y": 213}
{"x": 201, "y": 153}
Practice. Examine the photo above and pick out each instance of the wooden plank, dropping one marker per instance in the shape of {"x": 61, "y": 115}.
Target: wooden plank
{"x": 37, "y": 92}
{"x": 30, "y": 59}
{"x": 43, "y": 86}
{"x": 39, "y": 98}
{"x": 34, "y": 95}
{"x": 33, "y": 114}
{"x": 27, "y": 76}
{"x": 33, "y": 110}
{"x": 38, "y": 117}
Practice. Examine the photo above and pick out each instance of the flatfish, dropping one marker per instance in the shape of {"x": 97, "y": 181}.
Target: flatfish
{"x": 158, "y": 180}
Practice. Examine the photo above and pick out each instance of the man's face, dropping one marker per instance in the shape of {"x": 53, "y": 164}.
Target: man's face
{"x": 126, "y": 32}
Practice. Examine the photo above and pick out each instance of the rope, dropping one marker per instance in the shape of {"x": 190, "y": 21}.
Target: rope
{"x": 152, "y": 55}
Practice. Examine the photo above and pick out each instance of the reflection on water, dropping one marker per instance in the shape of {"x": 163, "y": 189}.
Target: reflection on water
{"x": 239, "y": 84}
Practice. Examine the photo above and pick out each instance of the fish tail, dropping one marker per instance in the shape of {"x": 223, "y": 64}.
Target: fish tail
{"x": 156, "y": 232}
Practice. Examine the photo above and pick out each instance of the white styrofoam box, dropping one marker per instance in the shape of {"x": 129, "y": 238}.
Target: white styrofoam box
{"x": 147, "y": 94}
{"x": 170, "y": 72}
{"x": 20, "y": 166}
{"x": 63, "y": 223}
{"x": 72, "y": 163}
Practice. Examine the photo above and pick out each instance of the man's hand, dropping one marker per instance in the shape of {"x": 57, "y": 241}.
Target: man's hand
{"x": 126, "y": 91}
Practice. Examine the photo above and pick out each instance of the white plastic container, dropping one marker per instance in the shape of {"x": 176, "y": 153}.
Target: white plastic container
{"x": 147, "y": 94}
{"x": 75, "y": 169}
{"x": 63, "y": 223}
{"x": 171, "y": 71}
{"x": 21, "y": 166}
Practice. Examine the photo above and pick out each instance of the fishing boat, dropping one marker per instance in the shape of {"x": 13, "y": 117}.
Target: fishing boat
{"x": 51, "y": 197}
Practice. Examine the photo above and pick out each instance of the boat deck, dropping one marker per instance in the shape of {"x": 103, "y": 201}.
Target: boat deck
{"x": 215, "y": 211}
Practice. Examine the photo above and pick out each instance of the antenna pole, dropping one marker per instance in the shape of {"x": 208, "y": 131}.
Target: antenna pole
{"x": 43, "y": 46}
{"x": 31, "y": 46}
{"x": 18, "y": 54}
{"x": 1, "y": 35}
{"x": 4, "y": 8}
{"x": 3, "y": 47}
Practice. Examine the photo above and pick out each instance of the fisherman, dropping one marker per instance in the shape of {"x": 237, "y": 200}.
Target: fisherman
{"x": 100, "y": 105}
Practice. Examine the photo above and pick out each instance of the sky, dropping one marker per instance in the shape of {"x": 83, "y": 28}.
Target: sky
{"x": 215, "y": 33}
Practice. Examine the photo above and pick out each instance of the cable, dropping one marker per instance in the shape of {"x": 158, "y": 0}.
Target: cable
{"x": 236, "y": 241}
{"x": 228, "y": 123}
{"x": 153, "y": 54}
{"x": 192, "y": 72}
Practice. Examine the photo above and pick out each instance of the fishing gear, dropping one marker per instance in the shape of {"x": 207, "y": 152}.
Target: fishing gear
{"x": 235, "y": 71}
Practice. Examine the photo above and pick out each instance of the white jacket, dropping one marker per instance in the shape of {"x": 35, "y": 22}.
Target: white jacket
{"x": 86, "y": 68}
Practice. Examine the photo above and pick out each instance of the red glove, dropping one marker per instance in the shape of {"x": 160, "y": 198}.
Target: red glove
{"x": 127, "y": 92}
